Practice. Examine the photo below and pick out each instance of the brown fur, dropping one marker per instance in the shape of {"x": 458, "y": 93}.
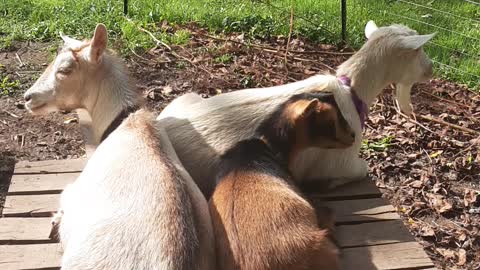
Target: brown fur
{"x": 260, "y": 220}
{"x": 274, "y": 228}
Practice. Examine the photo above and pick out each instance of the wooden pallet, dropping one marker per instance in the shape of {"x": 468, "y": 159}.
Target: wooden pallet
{"x": 370, "y": 232}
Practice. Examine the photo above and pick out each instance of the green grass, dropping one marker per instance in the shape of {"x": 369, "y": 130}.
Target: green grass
{"x": 223, "y": 59}
{"x": 457, "y": 43}
{"x": 8, "y": 86}
{"x": 378, "y": 146}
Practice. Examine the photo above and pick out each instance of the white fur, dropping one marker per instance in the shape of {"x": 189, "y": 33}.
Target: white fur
{"x": 136, "y": 209}
{"x": 102, "y": 87}
{"x": 131, "y": 207}
{"x": 200, "y": 131}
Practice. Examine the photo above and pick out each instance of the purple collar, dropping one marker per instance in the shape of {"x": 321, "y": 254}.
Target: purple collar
{"x": 362, "y": 108}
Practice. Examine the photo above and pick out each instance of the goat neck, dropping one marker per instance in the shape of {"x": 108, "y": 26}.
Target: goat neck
{"x": 368, "y": 75}
{"x": 111, "y": 96}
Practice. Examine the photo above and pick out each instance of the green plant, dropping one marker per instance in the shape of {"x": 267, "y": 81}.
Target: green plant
{"x": 378, "y": 146}
{"x": 180, "y": 37}
{"x": 247, "y": 81}
{"x": 181, "y": 64}
{"x": 223, "y": 59}
{"x": 8, "y": 87}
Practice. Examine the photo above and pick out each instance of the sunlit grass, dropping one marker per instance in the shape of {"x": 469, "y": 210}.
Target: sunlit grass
{"x": 457, "y": 23}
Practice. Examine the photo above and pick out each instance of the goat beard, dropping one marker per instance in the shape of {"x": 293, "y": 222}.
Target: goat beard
{"x": 403, "y": 92}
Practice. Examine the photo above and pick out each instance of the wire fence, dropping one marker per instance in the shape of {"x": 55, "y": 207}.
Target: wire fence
{"x": 455, "y": 49}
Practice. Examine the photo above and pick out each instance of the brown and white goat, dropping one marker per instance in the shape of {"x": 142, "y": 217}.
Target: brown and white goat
{"x": 260, "y": 219}
{"x": 202, "y": 129}
{"x": 134, "y": 206}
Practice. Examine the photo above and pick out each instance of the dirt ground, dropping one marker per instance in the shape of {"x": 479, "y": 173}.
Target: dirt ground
{"x": 429, "y": 167}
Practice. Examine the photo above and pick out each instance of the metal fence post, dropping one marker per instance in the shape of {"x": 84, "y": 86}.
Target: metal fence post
{"x": 344, "y": 21}
{"x": 125, "y": 7}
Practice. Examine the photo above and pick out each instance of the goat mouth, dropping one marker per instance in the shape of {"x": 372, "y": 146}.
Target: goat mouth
{"x": 34, "y": 109}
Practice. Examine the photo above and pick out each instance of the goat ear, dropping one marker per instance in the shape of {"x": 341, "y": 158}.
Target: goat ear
{"x": 370, "y": 28}
{"x": 302, "y": 108}
{"x": 98, "y": 43}
{"x": 417, "y": 41}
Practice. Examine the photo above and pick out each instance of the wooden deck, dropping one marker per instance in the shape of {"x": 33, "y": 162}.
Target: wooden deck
{"x": 369, "y": 230}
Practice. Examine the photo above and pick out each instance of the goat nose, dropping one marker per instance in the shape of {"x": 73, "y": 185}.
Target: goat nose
{"x": 352, "y": 135}
{"x": 28, "y": 97}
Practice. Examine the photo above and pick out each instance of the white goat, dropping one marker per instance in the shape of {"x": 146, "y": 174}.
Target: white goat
{"x": 134, "y": 206}
{"x": 84, "y": 75}
{"x": 200, "y": 129}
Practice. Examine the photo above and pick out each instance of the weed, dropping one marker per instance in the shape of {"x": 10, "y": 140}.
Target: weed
{"x": 378, "y": 146}
{"x": 180, "y": 37}
{"x": 8, "y": 87}
{"x": 223, "y": 59}
{"x": 181, "y": 65}
{"x": 247, "y": 82}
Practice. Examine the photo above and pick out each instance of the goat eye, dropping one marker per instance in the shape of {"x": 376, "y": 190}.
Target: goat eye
{"x": 65, "y": 71}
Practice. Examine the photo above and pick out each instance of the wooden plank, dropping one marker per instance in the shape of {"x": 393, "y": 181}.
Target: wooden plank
{"x": 356, "y": 190}
{"x": 24, "y": 229}
{"x": 34, "y": 256}
{"x": 41, "y": 183}
{"x": 31, "y": 205}
{"x": 385, "y": 232}
{"x": 409, "y": 255}
{"x": 356, "y": 211}
{"x": 348, "y": 211}
{"x": 50, "y": 166}
{"x": 374, "y": 233}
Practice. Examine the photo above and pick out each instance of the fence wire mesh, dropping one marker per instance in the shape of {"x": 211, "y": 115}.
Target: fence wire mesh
{"x": 455, "y": 49}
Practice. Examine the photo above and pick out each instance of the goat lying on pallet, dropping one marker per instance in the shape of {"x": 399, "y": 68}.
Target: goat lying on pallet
{"x": 260, "y": 219}
{"x": 134, "y": 206}
{"x": 200, "y": 129}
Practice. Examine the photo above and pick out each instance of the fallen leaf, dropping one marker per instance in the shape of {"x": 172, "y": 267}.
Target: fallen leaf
{"x": 470, "y": 197}
{"x": 439, "y": 203}
{"x": 309, "y": 72}
{"x": 416, "y": 184}
{"x": 167, "y": 90}
{"x": 462, "y": 257}
{"x": 70, "y": 120}
{"x": 446, "y": 253}
{"x": 426, "y": 230}
{"x": 436, "y": 154}
{"x": 437, "y": 187}
{"x": 462, "y": 237}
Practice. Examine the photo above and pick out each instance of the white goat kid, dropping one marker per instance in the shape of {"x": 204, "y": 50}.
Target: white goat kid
{"x": 200, "y": 130}
{"x": 134, "y": 206}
